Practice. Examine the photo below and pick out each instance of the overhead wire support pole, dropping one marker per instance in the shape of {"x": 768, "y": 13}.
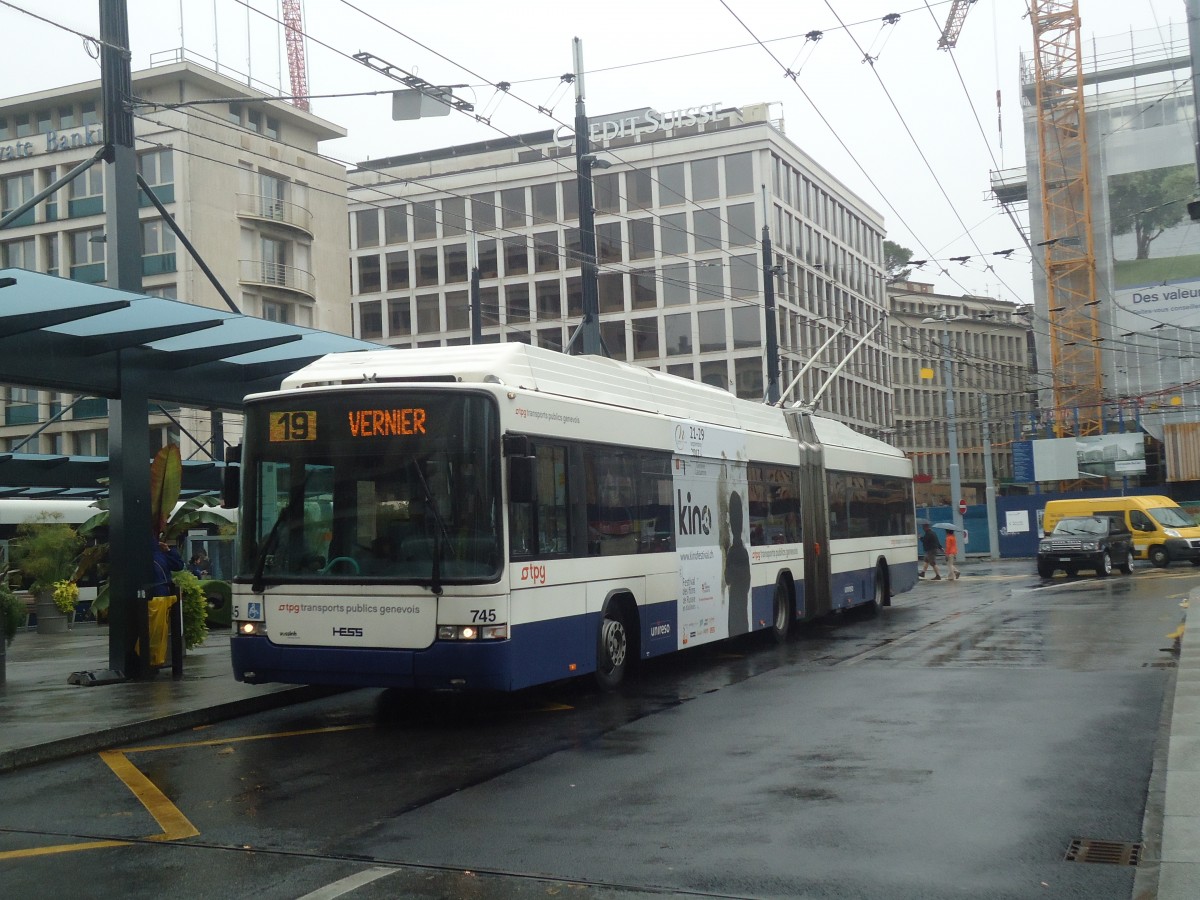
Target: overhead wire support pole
{"x": 772, "y": 396}
{"x": 588, "y": 332}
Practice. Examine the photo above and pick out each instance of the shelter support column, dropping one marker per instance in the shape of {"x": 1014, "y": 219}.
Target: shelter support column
{"x": 130, "y": 541}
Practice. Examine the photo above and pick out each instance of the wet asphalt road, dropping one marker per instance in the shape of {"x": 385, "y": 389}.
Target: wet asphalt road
{"x": 951, "y": 746}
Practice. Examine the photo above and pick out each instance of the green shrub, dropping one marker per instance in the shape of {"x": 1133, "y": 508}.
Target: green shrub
{"x": 45, "y": 551}
{"x": 12, "y": 613}
{"x": 195, "y": 609}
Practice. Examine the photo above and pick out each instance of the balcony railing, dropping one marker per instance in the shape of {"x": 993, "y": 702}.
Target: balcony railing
{"x": 272, "y": 209}
{"x": 272, "y": 274}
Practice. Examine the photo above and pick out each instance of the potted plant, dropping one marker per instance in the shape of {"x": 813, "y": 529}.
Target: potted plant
{"x": 12, "y": 614}
{"x": 45, "y": 551}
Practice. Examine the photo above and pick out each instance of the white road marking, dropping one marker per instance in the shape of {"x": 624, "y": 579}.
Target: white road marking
{"x": 349, "y": 883}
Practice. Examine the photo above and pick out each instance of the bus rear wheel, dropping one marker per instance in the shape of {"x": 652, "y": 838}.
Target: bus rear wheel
{"x": 612, "y": 651}
{"x": 783, "y": 612}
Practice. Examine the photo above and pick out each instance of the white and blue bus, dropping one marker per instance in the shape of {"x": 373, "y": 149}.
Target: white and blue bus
{"x": 499, "y": 516}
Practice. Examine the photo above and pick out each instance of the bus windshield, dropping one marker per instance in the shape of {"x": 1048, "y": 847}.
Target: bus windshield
{"x": 389, "y": 485}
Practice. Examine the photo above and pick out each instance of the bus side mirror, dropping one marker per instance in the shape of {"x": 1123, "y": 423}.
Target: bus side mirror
{"x": 520, "y": 479}
{"x": 231, "y": 482}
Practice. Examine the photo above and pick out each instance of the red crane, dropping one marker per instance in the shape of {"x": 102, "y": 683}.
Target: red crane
{"x": 294, "y": 36}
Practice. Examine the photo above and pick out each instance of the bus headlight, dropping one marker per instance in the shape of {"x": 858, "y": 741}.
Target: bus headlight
{"x": 472, "y": 632}
{"x": 249, "y": 628}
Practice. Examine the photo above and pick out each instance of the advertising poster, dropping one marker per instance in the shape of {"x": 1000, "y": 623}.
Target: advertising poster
{"x": 713, "y": 529}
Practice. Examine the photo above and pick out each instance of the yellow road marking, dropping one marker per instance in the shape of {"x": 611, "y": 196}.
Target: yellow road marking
{"x": 252, "y": 737}
{"x": 175, "y": 824}
{"x": 59, "y": 848}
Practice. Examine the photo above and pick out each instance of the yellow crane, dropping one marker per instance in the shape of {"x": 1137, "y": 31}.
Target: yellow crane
{"x": 954, "y": 24}
{"x": 1069, "y": 255}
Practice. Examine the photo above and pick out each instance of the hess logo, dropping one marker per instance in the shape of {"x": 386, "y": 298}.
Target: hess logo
{"x": 344, "y": 631}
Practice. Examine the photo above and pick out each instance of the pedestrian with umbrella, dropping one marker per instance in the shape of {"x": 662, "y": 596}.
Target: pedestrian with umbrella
{"x": 932, "y": 546}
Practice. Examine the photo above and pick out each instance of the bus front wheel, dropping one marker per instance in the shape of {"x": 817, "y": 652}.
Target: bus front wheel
{"x": 612, "y": 652}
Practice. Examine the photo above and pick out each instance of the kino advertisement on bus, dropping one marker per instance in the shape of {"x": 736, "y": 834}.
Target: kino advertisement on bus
{"x": 495, "y": 517}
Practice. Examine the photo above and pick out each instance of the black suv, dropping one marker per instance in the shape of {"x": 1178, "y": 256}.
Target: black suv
{"x": 1086, "y": 542}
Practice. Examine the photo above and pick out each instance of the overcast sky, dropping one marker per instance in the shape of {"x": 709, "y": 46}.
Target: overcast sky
{"x": 853, "y": 117}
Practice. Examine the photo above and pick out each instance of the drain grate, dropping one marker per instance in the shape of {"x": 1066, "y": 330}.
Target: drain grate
{"x": 1114, "y": 853}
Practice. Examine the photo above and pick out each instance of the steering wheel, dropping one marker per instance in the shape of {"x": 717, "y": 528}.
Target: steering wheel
{"x": 354, "y": 567}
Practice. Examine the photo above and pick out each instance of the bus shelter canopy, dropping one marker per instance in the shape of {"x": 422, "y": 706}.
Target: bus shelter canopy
{"x": 63, "y": 335}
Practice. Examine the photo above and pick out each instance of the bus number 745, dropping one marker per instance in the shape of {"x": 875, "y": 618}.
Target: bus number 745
{"x": 483, "y": 615}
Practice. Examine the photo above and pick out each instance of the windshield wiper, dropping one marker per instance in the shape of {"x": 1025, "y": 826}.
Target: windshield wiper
{"x": 439, "y": 531}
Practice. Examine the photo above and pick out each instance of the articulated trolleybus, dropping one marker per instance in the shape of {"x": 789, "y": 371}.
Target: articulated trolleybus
{"x": 499, "y": 516}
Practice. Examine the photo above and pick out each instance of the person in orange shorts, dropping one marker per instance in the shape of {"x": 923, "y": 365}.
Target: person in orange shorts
{"x": 951, "y": 553}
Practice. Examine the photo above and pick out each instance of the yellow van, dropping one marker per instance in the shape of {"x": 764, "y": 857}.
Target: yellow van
{"x": 1162, "y": 532}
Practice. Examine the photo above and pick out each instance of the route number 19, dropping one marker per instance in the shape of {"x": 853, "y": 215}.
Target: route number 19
{"x": 298, "y": 425}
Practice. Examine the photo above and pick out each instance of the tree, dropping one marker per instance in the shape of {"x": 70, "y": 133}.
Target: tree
{"x": 1148, "y": 203}
{"x": 895, "y": 260}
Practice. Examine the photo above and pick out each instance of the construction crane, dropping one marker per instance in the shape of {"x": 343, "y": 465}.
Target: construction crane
{"x": 954, "y": 24}
{"x": 1069, "y": 252}
{"x": 297, "y": 67}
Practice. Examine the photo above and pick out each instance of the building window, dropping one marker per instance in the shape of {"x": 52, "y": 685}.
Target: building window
{"x": 487, "y": 261}
{"x": 613, "y": 335}
{"x": 88, "y": 114}
{"x": 512, "y": 207}
{"x": 424, "y": 220}
{"x": 712, "y": 330}
{"x": 641, "y": 238}
{"x": 87, "y": 255}
{"x": 44, "y": 121}
{"x": 706, "y": 226}
{"x": 674, "y": 234}
{"x": 454, "y": 216}
{"x": 483, "y": 212}
{"x": 18, "y": 189}
{"x": 670, "y": 185}
{"x": 611, "y": 295}
{"x": 710, "y": 282}
{"x": 429, "y": 314}
{"x": 638, "y": 189}
{"x": 19, "y": 254}
{"x": 747, "y": 327}
{"x": 366, "y": 227}
{"x": 748, "y": 377}
{"x": 368, "y": 274}
{"x": 545, "y": 252}
{"x": 676, "y": 285}
{"x": 370, "y": 320}
{"x": 395, "y": 224}
{"x": 23, "y": 125}
{"x": 516, "y": 255}
{"x": 157, "y": 168}
{"x": 427, "y": 267}
{"x": 86, "y": 193}
{"x": 740, "y": 217}
{"x": 50, "y": 253}
{"x": 715, "y": 373}
{"x": 645, "y": 338}
{"x": 644, "y": 290}
{"x": 397, "y": 270}
{"x": 570, "y": 198}
{"x": 271, "y": 129}
{"x": 739, "y": 175}
{"x": 458, "y": 311}
{"x": 606, "y": 196}
{"x": 705, "y": 185}
{"x": 274, "y": 261}
{"x": 400, "y": 316}
{"x": 743, "y": 276}
{"x": 158, "y": 248}
{"x": 677, "y": 329}
{"x": 545, "y": 203}
{"x": 455, "y": 259}
{"x": 277, "y": 312}
{"x": 608, "y": 242}
{"x": 516, "y": 303}
{"x": 549, "y": 301}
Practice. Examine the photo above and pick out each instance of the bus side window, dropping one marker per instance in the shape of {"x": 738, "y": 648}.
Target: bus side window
{"x": 553, "y": 509}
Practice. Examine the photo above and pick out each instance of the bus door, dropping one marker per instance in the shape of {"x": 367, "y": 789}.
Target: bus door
{"x": 814, "y": 515}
